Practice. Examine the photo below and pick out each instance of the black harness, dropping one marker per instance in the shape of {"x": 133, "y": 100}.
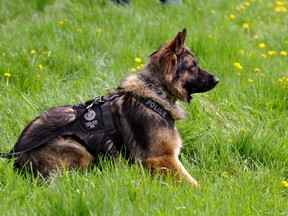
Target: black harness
{"x": 94, "y": 125}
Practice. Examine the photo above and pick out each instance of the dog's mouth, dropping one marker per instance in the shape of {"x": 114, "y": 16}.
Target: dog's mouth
{"x": 205, "y": 86}
{"x": 189, "y": 98}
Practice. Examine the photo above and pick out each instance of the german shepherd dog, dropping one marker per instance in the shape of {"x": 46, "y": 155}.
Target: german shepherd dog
{"x": 143, "y": 109}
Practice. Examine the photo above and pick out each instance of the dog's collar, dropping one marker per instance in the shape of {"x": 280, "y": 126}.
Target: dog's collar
{"x": 154, "y": 87}
{"x": 158, "y": 89}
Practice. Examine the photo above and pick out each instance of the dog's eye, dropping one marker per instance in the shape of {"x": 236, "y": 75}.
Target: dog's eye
{"x": 194, "y": 66}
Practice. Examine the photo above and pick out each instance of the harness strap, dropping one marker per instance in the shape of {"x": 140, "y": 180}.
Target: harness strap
{"x": 109, "y": 124}
{"x": 157, "y": 109}
{"x": 10, "y": 154}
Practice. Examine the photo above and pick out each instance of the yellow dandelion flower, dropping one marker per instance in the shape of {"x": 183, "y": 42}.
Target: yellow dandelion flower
{"x": 7, "y": 74}
{"x": 230, "y": 140}
{"x": 133, "y": 69}
{"x": 279, "y": 9}
{"x": 262, "y": 74}
{"x": 41, "y": 66}
{"x": 62, "y": 22}
{"x": 33, "y": 52}
{"x": 263, "y": 56}
{"x": 247, "y": 4}
{"x": 241, "y": 7}
{"x": 99, "y": 30}
{"x": 283, "y": 53}
{"x": 78, "y": 57}
{"x": 138, "y": 67}
{"x": 281, "y": 80}
{"x": 284, "y": 184}
{"x": 257, "y": 70}
{"x": 256, "y": 37}
{"x": 242, "y": 52}
{"x": 250, "y": 81}
{"x": 238, "y": 65}
{"x": 213, "y": 12}
{"x": 283, "y": 9}
{"x": 231, "y": 16}
{"x": 138, "y": 60}
{"x": 271, "y": 52}
{"x": 242, "y": 129}
{"x": 141, "y": 65}
{"x": 245, "y": 26}
{"x": 262, "y": 45}
{"x": 279, "y": 3}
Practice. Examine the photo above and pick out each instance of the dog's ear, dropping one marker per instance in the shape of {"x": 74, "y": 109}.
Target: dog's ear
{"x": 177, "y": 44}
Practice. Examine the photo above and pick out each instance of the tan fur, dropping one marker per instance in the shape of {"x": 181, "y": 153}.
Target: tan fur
{"x": 66, "y": 153}
{"x": 165, "y": 164}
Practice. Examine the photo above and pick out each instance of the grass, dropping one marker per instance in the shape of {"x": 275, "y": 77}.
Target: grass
{"x": 235, "y": 139}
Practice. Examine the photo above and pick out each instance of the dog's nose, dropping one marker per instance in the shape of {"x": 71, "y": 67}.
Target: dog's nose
{"x": 216, "y": 80}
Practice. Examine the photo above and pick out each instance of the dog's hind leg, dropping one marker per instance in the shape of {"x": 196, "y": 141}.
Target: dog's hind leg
{"x": 49, "y": 158}
{"x": 165, "y": 164}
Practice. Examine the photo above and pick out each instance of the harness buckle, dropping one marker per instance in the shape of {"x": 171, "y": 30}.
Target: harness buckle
{"x": 99, "y": 99}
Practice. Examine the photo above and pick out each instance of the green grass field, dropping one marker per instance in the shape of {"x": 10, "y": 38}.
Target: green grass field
{"x": 56, "y": 52}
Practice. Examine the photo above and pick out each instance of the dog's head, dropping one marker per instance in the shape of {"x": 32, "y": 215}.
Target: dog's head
{"x": 179, "y": 70}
